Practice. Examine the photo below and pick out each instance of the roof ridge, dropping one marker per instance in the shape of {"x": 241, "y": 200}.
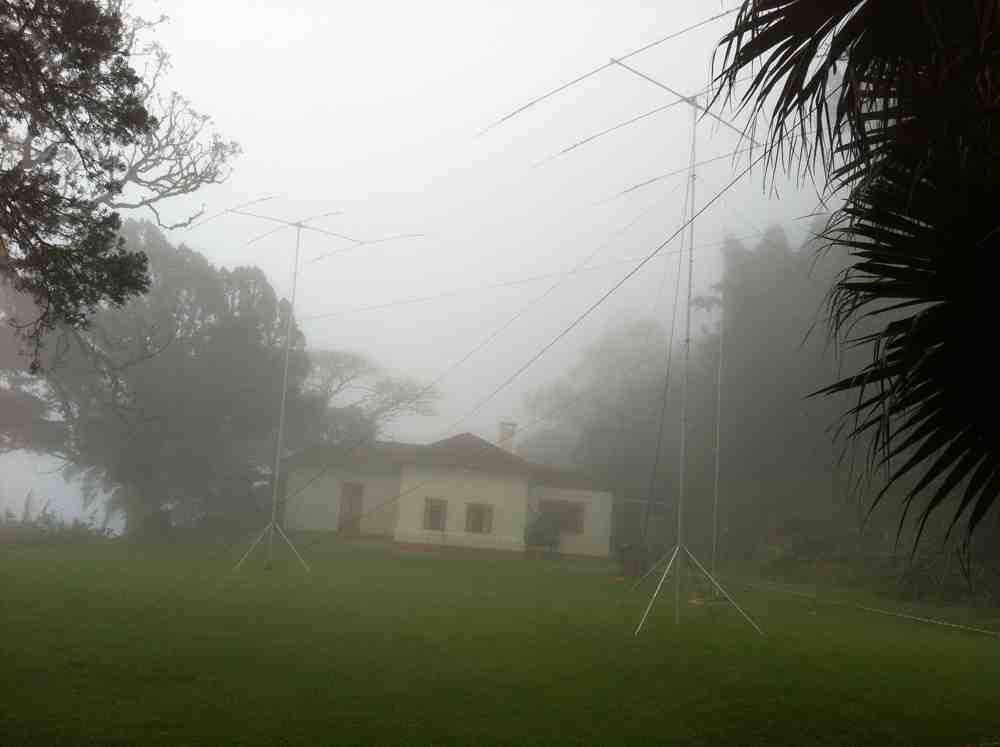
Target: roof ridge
{"x": 462, "y": 448}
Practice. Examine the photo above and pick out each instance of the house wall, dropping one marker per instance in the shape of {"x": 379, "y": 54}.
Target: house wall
{"x": 393, "y": 505}
{"x": 507, "y": 494}
{"x": 597, "y": 507}
{"x": 317, "y": 507}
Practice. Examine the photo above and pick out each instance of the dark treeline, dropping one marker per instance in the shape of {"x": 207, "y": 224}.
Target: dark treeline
{"x": 787, "y": 486}
{"x": 168, "y": 407}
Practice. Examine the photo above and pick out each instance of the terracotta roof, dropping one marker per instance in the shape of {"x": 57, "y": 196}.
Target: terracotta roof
{"x": 465, "y": 451}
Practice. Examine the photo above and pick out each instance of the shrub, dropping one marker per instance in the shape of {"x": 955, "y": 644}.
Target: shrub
{"x": 542, "y": 532}
{"x": 48, "y": 526}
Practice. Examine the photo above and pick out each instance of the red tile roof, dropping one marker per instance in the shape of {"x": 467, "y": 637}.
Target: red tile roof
{"x": 464, "y": 451}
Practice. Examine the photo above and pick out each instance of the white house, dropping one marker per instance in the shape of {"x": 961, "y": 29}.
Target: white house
{"x": 462, "y": 491}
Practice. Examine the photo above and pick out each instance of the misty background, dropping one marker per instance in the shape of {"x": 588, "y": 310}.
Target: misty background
{"x": 331, "y": 121}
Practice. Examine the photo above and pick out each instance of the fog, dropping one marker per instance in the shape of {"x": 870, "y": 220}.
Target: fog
{"x": 392, "y": 124}
{"x": 472, "y": 373}
{"x": 338, "y": 110}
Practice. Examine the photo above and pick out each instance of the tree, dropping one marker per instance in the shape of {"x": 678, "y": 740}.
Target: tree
{"x": 169, "y": 406}
{"x": 169, "y": 403}
{"x": 779, "y": 466}
{"x": 782, "y": 479}
{"x": 82, "y": 135}
{"x": 903, "y": 101}
{"x": 347, "y": 398}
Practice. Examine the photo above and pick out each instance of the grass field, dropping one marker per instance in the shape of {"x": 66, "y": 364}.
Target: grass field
{"x": 118, "y": 643}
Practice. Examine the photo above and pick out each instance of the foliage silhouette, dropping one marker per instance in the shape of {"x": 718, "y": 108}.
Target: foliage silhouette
{"x": 903, "y": 101}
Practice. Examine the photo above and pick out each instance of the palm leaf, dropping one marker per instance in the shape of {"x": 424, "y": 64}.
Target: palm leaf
{"x": 904, "y": 99}
{"x": 872, "y": 76}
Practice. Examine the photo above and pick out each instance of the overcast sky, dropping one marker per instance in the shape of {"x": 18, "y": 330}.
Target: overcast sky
{"x": 378, "y": 109}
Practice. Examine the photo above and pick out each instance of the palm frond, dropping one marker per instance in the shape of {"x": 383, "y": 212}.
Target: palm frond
{"x": 929, "y": 246}
{"x": 899, "y": 102}
{"x": 867, "y": 78}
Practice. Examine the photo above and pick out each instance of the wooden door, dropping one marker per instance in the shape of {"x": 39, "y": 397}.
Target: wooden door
{"x": 351, "y": 507}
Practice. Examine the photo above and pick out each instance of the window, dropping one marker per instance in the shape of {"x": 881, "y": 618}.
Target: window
{"x": 479, "y": 518}
{"x": 567, "y": 515}
{"x": 435, "y": 514}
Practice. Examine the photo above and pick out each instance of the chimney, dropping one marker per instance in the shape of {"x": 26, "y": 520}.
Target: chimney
{"x": 505, "y": 435}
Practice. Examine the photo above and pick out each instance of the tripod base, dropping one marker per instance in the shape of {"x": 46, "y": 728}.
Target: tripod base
{"x": 268, "y": 532}
{"x": 715, "y": 584}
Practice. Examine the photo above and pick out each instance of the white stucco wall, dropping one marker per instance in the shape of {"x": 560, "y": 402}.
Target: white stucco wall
{"x": 596, "y": 536}
{"x": 317, "y": 507}
{"x": 507, "y": 494}
{"x": 393, "y": 506}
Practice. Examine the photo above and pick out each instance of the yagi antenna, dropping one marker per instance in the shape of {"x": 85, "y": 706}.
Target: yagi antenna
{"x": 281, "y": 228}
{"x": 273, "y": 526}
{"x": 688, "y": 100}
{"x": 596, "y": 70}
{"x": 219, "y": 214}
{"x": 626, "y": 123}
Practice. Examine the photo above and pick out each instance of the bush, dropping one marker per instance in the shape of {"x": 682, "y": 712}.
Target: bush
{"x": 47, "y": 527}
{"x": 542, "y": 532}
{"x": 634, "y": 559}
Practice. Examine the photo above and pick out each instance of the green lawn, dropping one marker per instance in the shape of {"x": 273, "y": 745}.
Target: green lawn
{"x": 119, "y": 643}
